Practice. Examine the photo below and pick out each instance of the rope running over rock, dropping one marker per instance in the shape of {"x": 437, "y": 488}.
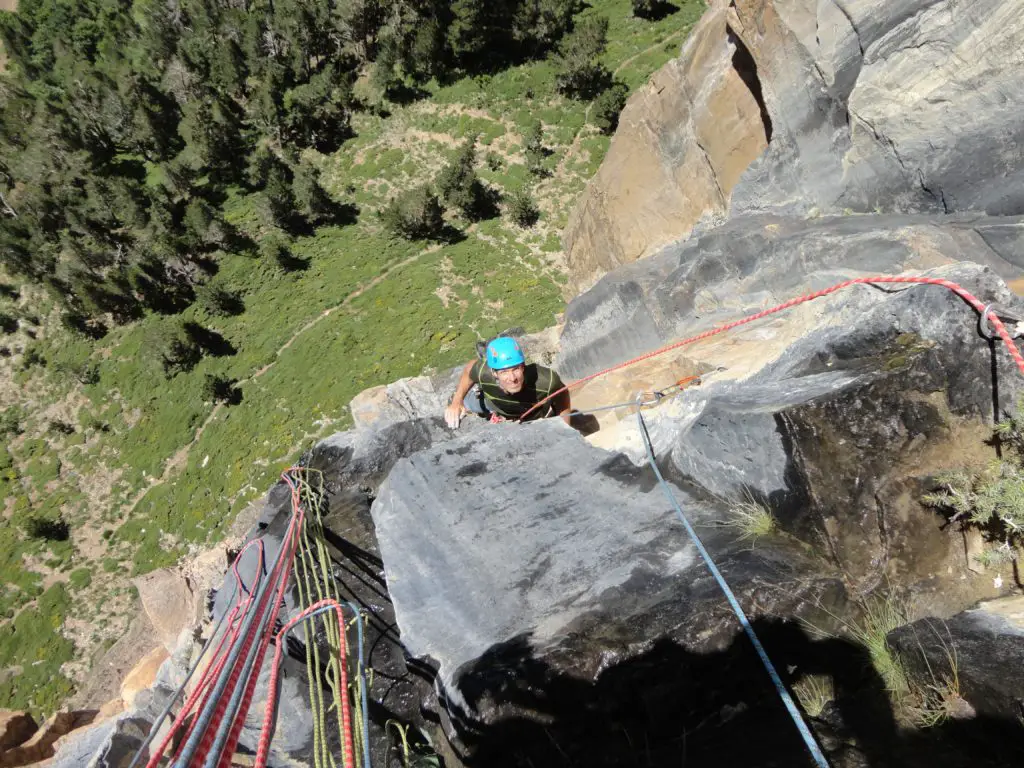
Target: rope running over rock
{"x": 979, "y": 306}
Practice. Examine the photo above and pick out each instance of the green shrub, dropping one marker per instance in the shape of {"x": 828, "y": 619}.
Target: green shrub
{"x": 607, "y": 107}
{"x": 414, "y": 215}
{"x": 218, "y": 302}
{"x": 80, "y": 578}
{"x": 174, "y": 349}
{"x": 32, "y": 358}
{"x": 8, "y": 323}
{"x": 458, "y": 185}
{"x": 752, "y": 520}
{"x": 522, "y": 209}
{"x": 578, "y": 72}
{"x": 59, "y": 427}
{"x": 220, "y": 389}
{"x": 646, "y": 9}
{"x": 534, "y": 148}
{"x": 994, "y": 496}
{"x": 10, "y": 421}
{"x": 46, "y": 528}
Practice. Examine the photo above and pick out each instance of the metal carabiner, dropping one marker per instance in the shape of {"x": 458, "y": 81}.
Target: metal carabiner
{"x": 648, "y": 398}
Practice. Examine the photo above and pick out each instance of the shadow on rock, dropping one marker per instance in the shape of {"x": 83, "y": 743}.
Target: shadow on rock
{"x": 672, "y": 707}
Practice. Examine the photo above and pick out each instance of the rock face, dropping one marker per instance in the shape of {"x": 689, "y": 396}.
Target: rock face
{"x": 850, "y": 402}
{"x": 683, "y": 141}
{"x": 908, "y": 106}
{"x": 752, "y": 263}
{"x": 904, "y": 106}
{"x": 142, "y": 676}
{"x": 525, "y": 557}
{"x": 977, "y": 655}
{"x": 169, "y": 603}
{"x": 15, "y": 728}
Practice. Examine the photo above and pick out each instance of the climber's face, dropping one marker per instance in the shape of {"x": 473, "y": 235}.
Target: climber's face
{"x": 511, "y": 379}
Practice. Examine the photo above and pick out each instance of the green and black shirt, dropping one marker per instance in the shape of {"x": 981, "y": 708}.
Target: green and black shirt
{"x": 538, "y": 382}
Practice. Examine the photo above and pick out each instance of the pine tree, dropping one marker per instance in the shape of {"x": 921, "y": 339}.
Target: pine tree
{"x": 538, "y": 25}
{"x": 578, "y": 72}
{"x": 521, "y": 208}
{"x": 311, "y": 199}
{"x": 534, "y": 148}
{"x": 645, "y": 9}
{"x": 277, "y": 197}
{"x": 607, "y": 106}
{"x": 458, "y": 184}
{"x": 414, "y": 214}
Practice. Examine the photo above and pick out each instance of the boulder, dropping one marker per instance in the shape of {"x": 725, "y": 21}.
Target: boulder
{"x": 143, "y": 675}
{"x": 537, "y": 574}
{"x": 15, "y": 728}
{"x": 977, "y": 654}
{"x": 868, "y": 106}
{"x": 112, "y": 743}
{"x": 169, "y": 602}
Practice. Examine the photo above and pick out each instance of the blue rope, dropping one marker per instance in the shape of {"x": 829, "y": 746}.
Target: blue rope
{"x": 362, "y": 686}
{"x": 205, "y": 715}
{"x": 794, "y": 713}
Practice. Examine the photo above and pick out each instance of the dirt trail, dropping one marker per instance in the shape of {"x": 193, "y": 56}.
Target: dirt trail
{"x": 180, "y": 457}
{"x": 178, "y": 460}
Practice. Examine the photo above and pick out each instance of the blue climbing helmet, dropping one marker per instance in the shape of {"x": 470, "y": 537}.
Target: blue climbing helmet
{"x": 504, "y": 352}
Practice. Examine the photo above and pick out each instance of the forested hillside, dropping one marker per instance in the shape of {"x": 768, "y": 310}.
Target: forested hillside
{"x": 221, "y": 220}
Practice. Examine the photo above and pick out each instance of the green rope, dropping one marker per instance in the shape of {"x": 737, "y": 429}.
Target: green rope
{"x": 316, "y": 697}
{"x": 317, "y": 577}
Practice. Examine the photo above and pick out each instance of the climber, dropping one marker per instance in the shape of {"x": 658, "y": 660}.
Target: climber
{"x": 502, "y": 386}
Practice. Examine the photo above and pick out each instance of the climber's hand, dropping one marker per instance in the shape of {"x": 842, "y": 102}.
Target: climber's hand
{"x": 453, "y": 414}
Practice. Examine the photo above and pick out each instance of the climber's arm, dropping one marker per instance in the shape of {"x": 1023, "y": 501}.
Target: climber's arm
{"x": 456, "y": 409}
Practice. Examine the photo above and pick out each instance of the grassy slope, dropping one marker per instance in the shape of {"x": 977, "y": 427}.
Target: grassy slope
{"x": 138, "y": 495}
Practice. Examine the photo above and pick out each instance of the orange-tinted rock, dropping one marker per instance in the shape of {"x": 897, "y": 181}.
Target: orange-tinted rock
{"x": 169, "y": 602}
{"x": 142, "y": 676}
{"x": 683, "y": 141}
{"x": 15, "y": 728}
{"x": 41, "y": 745}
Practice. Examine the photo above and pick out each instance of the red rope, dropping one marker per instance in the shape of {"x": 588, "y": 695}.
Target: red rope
{"x": 346, "y": 716}
{"x": 997, "y": 324}
{"x": 279, "y": 576}
{"x": 217, "y": 660}
{"x": 267, "y": 731}
{"x": 250, "y": 689}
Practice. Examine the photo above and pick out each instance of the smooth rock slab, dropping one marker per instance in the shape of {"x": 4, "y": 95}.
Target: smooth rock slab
{"x": 524, "y": 564}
